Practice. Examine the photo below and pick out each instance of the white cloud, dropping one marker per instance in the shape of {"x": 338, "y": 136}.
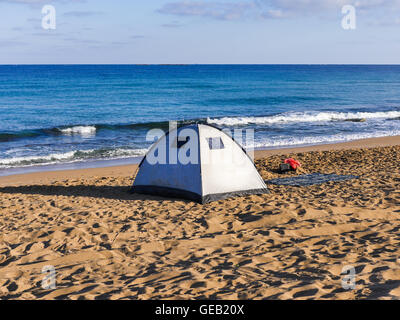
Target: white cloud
{"x": 216, "y": 10}
{"x": 232, "y": 10}
{"x": 314, "y": 5}
{"x": 38, "y": 2}
{"x": 80, "y": 14}
{"x": 9, "y": 43}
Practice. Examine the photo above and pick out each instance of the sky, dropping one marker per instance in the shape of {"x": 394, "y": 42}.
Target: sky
{"x": 200, "y": 32}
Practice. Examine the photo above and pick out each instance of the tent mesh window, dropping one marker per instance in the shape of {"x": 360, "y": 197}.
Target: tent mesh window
{"x": 215, "y": 143}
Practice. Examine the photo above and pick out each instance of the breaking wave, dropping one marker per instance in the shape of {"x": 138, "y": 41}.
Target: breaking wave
{"x": 117, "y": 149}
{"x": 72, "y": 156}
{"x": 79, "y": 130}
{"x": 312, "y": 140}
{"x": 88, "y": 130}
{"x": 303, "y": 117}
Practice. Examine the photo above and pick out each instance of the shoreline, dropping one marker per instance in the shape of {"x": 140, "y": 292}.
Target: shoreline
{"x": 128, "y": 166}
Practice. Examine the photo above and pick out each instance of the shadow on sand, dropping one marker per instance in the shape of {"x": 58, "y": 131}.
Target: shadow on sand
{"x": 104, "y": 192}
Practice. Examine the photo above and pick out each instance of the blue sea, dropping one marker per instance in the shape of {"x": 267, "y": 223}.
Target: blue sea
{"x": 63, "y": 114}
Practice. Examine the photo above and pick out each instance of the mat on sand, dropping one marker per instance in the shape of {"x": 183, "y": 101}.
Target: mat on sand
{"x": 310, "y": 179}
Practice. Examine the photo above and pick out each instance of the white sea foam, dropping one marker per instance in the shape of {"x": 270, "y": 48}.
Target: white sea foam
{"x": 281, "y": 142}
{"x": 303, "y": 117}
{"x": 80, "y": 130}
{"x": 70, "y": 157}
{"x": 36, "y": 159}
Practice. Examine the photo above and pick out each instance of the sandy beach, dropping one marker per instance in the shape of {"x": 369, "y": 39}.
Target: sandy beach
{"x": 293, "y": 243}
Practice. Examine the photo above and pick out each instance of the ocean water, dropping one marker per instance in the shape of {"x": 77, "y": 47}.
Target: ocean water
{"x": 74, "y": 113}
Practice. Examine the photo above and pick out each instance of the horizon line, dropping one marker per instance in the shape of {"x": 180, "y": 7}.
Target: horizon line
{"x": 199, "y": 64}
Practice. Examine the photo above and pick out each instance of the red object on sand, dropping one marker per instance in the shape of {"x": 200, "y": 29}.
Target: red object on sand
{"x": 293, "y": 163}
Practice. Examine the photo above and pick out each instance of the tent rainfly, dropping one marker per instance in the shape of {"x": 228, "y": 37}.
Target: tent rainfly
{"x": 198, "y": 162}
